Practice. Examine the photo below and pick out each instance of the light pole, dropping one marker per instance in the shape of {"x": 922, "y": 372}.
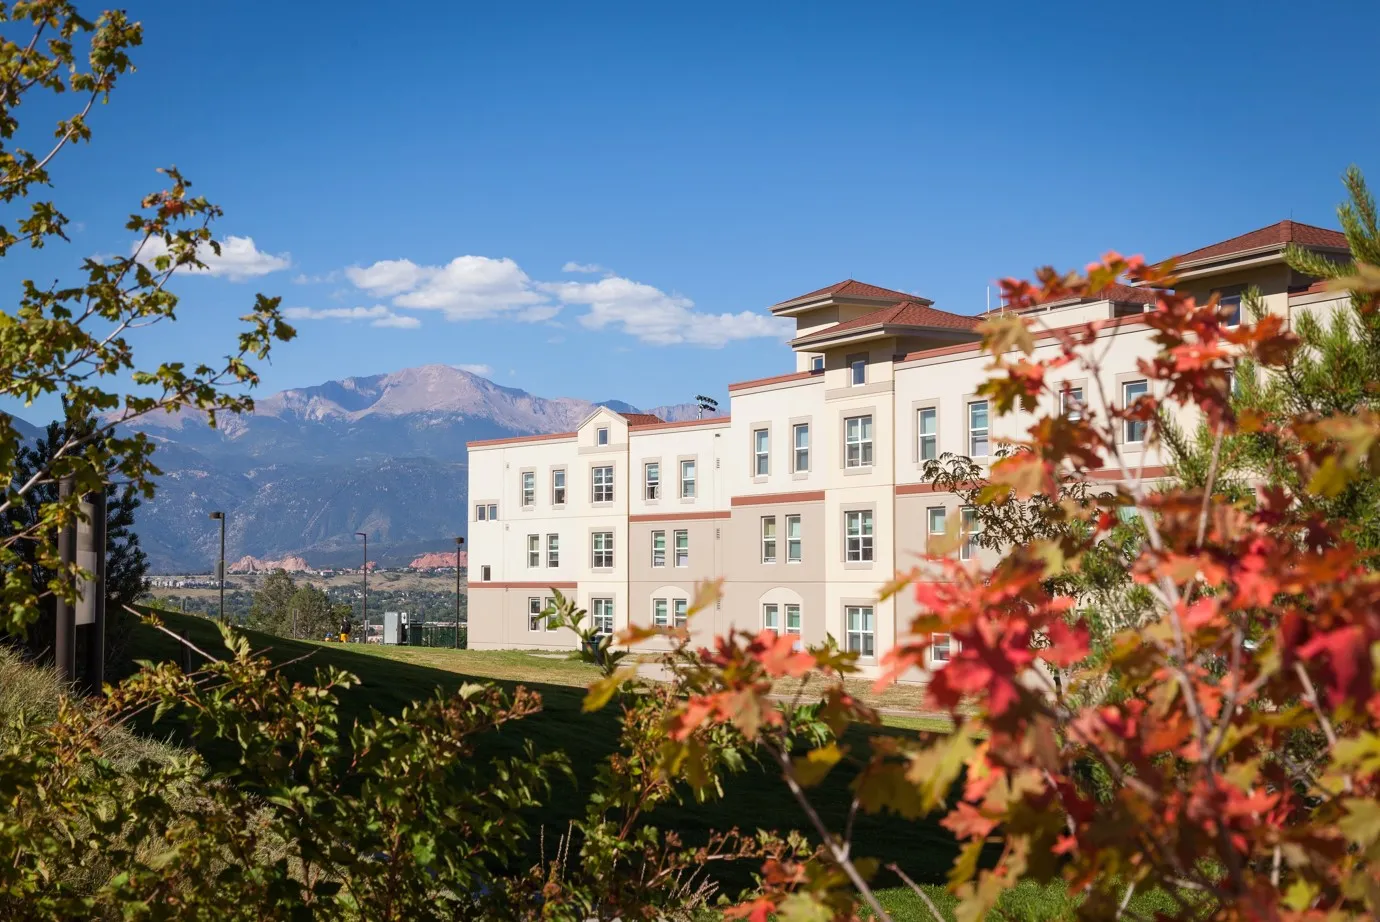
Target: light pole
{"x": 220, "y": 572}
{"x": 459, "y": 543}
{"x": 364, "y": 602}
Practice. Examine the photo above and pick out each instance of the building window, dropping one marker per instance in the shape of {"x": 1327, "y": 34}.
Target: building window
{"x": 485, "y": 573}
{"x": 858, "y": 536}
{"x": 800, "y": 433}
{"x": 977, "y": 429}
{"x": 769, "y": 539}
{"x": 534, "y": 550}
{"x": 658, "y": 548}
{"x": 771, "y": 617}
{"x": 971, "y": 529}
{"x": 1134, "y": 429}
{"x": 660, "y": 618}
{"x": 479, "y": 511}
{"x": 793, "y": 620}
{"x": 1071, "y": 403}
{"x": 793, "y": 542}
{"x": 687, "y": 480}
{"x": 535, "y": 621}
{"x": 816, "y": 363}
{"x": 529, "y": 489}
{"x": 681, "y": 609}
{"x": 857, "y": 370}
{"x": 603, "y": 485}
{"x": 653, "y": 478}
{"x": 1229, "y": 309}
{"x": 860, "y": 631}
{"x": 935, "y": 515}
{"x": 941, "y": 648}
{"x": 857, "y": 441}
{"x": 761, "y": 460}
{"x": 603, "y": 551}
{"x": 682, "y": 548}
{"x": 927, "y": 427}
{"x": 553, "y": 550}
{"x": 493, "y": 512}
{"x": 602, "y": 435}
{"x": 558, "y": 488}
{"x": 602, "y": 611}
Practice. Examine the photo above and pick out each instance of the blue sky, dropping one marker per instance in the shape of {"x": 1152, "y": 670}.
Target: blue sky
{"x": 708, "y": 159}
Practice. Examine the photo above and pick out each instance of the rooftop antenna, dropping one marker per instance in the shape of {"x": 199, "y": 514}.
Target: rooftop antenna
{"x": 989, "y": 299}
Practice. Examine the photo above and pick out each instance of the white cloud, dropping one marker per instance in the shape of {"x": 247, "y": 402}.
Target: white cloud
{"x": 658, "y": 318}
{"x": 324, "y": 278}
{"x": 588, "y": 268}
{"x": 239, "y": 258}
{"x": 378, "y": 316}
{"x": 477, "y": 287}
{"x": 466, "y": 288}
{"x": 477, "y": 369}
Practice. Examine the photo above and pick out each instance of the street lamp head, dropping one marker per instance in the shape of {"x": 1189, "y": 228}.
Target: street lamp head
{"x": 360, "y": 534}
{"x": 459, "y": 541}
{"x": 218, "y": 515}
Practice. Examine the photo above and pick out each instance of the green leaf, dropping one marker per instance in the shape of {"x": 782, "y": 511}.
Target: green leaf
{"x": 602, "y": 690}
{"x": 812, "y": 768}
{"x": 1361, "y": 824}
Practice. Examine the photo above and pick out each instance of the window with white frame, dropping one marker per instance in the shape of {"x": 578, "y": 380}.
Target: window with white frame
{"x": 601, "y": 611}
{"x": 602, "y": 485}
{"x": 529, "y": 489}
{"x": 860, "y": 629}
{"x": 793, "y": 539}
{"x": 800, "y": 436}
{"x": 857, "y": 370}
{"x": 558, "y": 488}
{"x": 553, "y": 550}
{"x": 493, "y": 512}
{"x": 793, "y": 620}
{"x": 941, "y": 648}
{"x": 479, "y": 511}
{"x": 680, "y": 608}
{"x": 771, "y": 617}
{"x": 971, "y": 529}
{"x": 687, "y": 480}
{"x": 658, "y": 548}
{"x": 857, "y": 530}
{"x": 534, "y": 616}
{"x": 1229, "y": 309}
{"x": 761, "y": 458}
{"x": 1134, "y": 430}
{"x": 602, "y": 435}
{"x": 927, "y": 433}
{"x": 935, "y": 520}
{"x": 682, "y": 539}
{"x": 485, "y": 573}
{"x": 768, "y": 539}
{"x": 602, "y": 557}
{"x": 550, "y": 607}
{"x": 816, "y": 363}
{"x": 534, "y": 550}
{"x": 857, "y": 441}
{"x": 1071, "y": 403}
{"x": 660, "y": 613}
{"x": 977, "y": 429}
{"x": 652, "y": 476}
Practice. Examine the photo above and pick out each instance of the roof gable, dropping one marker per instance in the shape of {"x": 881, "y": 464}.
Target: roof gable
{"x": 1275, "y": 235}
{"x": 851, "y": 288}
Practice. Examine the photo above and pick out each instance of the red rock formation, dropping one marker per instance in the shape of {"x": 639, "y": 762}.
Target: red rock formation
{"x": 291, "y": 564}
{"x": 438, "y": 560}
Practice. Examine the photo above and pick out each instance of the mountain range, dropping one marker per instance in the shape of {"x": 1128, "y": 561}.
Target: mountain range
{"x": 383, "y": 454}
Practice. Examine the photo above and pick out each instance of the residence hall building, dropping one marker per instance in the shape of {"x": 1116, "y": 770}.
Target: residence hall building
{"x": 809, "y": 496}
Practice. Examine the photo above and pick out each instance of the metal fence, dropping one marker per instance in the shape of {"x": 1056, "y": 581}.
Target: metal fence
{"x": 434, "y": 635}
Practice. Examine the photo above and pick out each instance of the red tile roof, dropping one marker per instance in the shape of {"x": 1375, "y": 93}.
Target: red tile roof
{"x": 775, "y": 379}
{"x": 1307, "y": 235}
{"x": 907, "y": 313}
{"x": 850, "y": 288}
{"x": 681, "y": 424}
{"x": 641, "y": 419}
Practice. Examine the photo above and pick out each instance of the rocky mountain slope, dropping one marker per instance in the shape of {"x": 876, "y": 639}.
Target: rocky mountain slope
{"x": 383, "y": 454}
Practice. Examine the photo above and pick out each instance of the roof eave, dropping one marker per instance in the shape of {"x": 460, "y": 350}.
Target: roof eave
{"x": 874, "y": 331}
{"x": 1241, "y": 259}
{"x": 801, "y": 305}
